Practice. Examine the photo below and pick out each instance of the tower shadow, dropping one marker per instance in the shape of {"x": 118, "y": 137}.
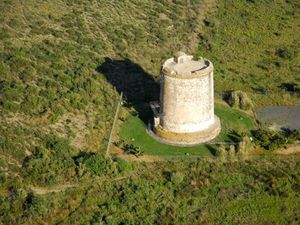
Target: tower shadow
{"x": 138, "y": 86}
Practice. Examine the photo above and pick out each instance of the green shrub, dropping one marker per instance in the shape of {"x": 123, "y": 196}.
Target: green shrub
{"x": 11, "y": 91}
{"x": 272, "y": 140}
{"x": 286, "y": 53}
{"x": 244, "y": 147}
{"x": 231, "y": 153}
{"x": 28, "y": 74}
{"x": 134, "y": 150}
{"x": 123, "y": 165}
{"x": 44, "y": 168}
{"x": 293, "y": 136}
{"x": 96, "y": 164}
{"x": 10, "y": 106}
{"x": 221, "y": 152}
{"x": 61, "y": 146}
{"x": 177, "y": 178}
{"x": 36, "y": 205}
{"x": 239, "y": 99}
{"x": 57, "y": 112}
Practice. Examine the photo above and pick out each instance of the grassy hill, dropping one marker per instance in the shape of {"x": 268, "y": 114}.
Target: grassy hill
{"x": 57, "y": 59}
{"x": 62, "y": 66}
{"x": 255, "y": 48}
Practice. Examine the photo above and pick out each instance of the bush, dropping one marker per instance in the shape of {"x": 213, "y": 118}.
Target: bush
{"x": 221, "y": 152}
{"x": 272, "y": 140}
{"x": 10, "y": 106}
{"x": 286, "y": 53}
{"x": 134, "y": 150}
{"x": 44, "y": 168}
{"x": 28, "y": 74}
{"x": 96, "y": 164}
{"x": 50, "y": 163}
{"x": 11, "y": 91}
{"x": 244, "y": 146}
{"x": 36, "y": 205}
{"x": 57, "y": 111}
{"x": 123, "y": 165}
{"x": 231, "y": 153}
{"x": 294, "y": 136}
{"x": 61, "y": 146}
{"x": 239, "y": 99}
{"x": 177, "y": 178}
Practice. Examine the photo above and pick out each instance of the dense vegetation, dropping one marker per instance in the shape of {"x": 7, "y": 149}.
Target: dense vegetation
{"x": 272, "y": 140}
{"x": 264, "y": 191}
{"x": 63, "y": 64}
{"x": 60, "y": 61}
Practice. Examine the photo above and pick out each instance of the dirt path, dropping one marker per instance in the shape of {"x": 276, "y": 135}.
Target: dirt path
{"x": 54, "y": 189}
{"x": 290, "y": 149}
{"x": 64, "y": 187}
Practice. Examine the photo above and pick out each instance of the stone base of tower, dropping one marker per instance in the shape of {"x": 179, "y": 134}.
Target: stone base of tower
{"x": 187, "y": 139}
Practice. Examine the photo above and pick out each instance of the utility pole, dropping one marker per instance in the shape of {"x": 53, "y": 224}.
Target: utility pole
{"x": 113, "y": 126}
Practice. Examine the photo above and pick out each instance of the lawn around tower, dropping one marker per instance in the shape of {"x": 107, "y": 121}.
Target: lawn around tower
{"x": 233, "y": 123}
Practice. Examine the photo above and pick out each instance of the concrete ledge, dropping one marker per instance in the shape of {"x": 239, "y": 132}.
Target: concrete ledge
{"x": 186, "y": 139}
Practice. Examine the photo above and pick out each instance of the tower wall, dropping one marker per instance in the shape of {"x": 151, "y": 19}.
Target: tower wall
{"x": 186, "y": 115}
{"x": 186, "y": 104}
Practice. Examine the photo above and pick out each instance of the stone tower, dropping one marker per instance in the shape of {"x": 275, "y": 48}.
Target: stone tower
{"x": 185, "y": 114}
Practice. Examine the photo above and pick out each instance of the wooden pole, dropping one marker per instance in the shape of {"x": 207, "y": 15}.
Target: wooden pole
{"x": 113, "y": 126}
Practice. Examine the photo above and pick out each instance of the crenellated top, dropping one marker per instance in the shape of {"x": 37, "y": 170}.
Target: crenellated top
{"x": 185, "y": 67}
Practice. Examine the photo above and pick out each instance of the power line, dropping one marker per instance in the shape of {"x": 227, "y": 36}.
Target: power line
{"x": 113, "y": 126}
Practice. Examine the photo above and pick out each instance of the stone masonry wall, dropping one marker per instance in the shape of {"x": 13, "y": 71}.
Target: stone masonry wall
{"x": 186, "y": 104}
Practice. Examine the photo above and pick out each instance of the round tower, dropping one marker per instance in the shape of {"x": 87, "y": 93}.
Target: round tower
{"x": 186, "y": 110}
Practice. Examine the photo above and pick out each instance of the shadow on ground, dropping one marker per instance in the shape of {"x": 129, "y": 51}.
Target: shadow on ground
{"x": 138, "y": 86}
{"x": 212, "y": 149}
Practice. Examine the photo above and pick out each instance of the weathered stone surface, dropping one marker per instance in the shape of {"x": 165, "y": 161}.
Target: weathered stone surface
{"x": 189, "y": 138}
{"x": 187, "y": 101}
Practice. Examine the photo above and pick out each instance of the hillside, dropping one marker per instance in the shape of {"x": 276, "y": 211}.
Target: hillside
{"x": 54, "y": 55}
{"x": 255, "y": 47}
{"x": 63, "y": 64}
